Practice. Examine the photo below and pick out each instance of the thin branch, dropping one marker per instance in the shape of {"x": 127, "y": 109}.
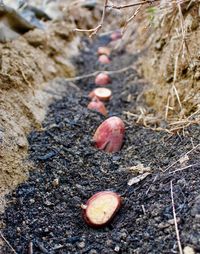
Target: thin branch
{"x": 182, "y": 155}
{"x": 97, "y": 72}
{"x": 175, "y": 220}
{"x": 30, "y": 248}
{"x": 183, "y": 168}
{"x": 131, "y": 18}
{"x": 6, "y": 241}
{"x": 95, "y": 30}
{"x": 113, "y": 6}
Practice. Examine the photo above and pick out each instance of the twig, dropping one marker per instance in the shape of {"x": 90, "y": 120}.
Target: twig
{"x": 175, "y": 220}
{"x": 41, "y": 247}
{"x": 167, "y": 108}
{"x": 97, "y": 72}
{"x": 113, "y": 6}
{"x": 183, "y": 155}
{"x": 6, "y": 241}
{"x": 30, "y": 248}
{"x": 183, "y": 168}
{"x": 95, "y": 30}
{"x": 131, "y": 18}
{"x": 175, "y": 78}
{"x": 151, "y": 184}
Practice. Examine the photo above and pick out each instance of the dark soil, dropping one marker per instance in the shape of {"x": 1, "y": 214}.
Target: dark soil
{"x": 49, "y": 217}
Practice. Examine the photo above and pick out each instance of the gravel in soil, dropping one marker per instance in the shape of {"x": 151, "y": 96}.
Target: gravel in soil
{"x": 44, "y": 214}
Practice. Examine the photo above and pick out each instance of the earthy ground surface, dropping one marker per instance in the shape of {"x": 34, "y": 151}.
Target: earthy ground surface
{"x": 27, "y": 65}
{"x": 169, "y": 62}
{"x": 48, "y": 217}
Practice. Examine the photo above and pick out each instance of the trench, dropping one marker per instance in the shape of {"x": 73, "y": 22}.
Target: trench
{"x": 42, "y": 217}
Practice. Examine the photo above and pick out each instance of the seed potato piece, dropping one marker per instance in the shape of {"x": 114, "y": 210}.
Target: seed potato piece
{"x": 101, "y": 208}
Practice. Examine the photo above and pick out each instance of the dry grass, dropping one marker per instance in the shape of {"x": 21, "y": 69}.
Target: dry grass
{"x": 168, "y": 12}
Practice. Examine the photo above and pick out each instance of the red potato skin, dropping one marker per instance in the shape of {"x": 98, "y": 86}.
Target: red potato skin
{"x": 92, "y": 95}
{"x": 102, "y": 79}
{"x": 116, "y": 36}
{"x": 109, "y": 135}
{"x": 97, "y": 105}
{"x": 84, "y": 211}
{"x": 103, "y": 51}
{"x": 103, "y": 59}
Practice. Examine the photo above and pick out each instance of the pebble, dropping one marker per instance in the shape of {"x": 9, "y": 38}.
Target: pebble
{"x": 163, "y": 225}
{"x": 46, "y": 230}
{"x": 123, "y": 235}
{"x": 197, "y": 75}
{"x": 92, "y": 251}
{"x": 81, "y": 245}
{"x": 22, "y": 142}
{"x": 109, "y": 243}
{"x": 171, "y": 222}
{"x": 55, "y": 182}
{"x": 188, "y": 250}
{"x": 117, "y": 248}
{"x": 32, "y": 201}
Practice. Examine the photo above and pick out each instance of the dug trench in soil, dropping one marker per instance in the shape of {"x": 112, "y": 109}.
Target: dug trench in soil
{"x": 46, "y": 218}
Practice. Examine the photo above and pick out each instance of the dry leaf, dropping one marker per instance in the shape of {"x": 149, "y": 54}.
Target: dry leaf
{"x": 139, "y": 169}
{"x": 138, "y": 179}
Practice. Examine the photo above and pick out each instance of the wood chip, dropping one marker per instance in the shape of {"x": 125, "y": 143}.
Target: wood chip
{"x": 140, "y": 168}
{"x": 138, "y": 179}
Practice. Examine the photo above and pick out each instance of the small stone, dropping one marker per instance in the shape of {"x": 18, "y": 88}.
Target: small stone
{"x": 109, "y": 243}
{"x": 47, "y": 203}
{"x": 117, "y": 248}
{"x": 51, "y": 69}
{"x": 46, "y": 230}
{"x": 22, "y": 142}
{"x": 197, "y": 75}
{"x": 123, "y": 235}
{"x": 163, "y": 225}
{"x": 18, "y": 229}
{"x": 171, "y": 222}
{"x": 188, "y": 250}
{"x": 78, "y": 186}
{"x": 92, "y": 251}
{"x": 81, "y": 245}
{"x": 160, "y": 44}
{"x": 32, "y": 201}
{"x": 55, "y": 182}
{"x": 129, "y": 98}
{"x": 181, "y": 182}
